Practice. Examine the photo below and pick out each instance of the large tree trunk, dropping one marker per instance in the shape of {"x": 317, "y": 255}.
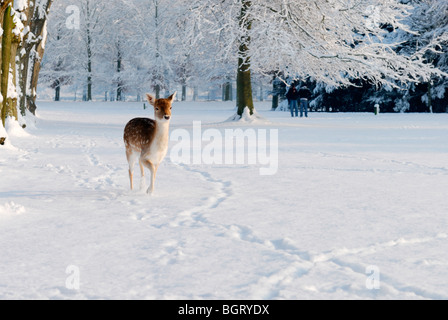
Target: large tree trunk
{"x": 17, "y": 41}
{"x": 24, "y": 62}
{"x": 6, "y": 60}
{"x": 34, "y": 47}
{"x": 12, "y": 101}
{"x": 243, "y": 79}
{"x": 3, "y": 5}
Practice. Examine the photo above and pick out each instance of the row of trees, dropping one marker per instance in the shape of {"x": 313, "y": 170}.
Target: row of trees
{"x": 116, "y": 47}
{"x": 429, "y": 20}
{"x": 119, "y": 46}
{"x": 23, "y": 36}
{"x": 129, "y": 46}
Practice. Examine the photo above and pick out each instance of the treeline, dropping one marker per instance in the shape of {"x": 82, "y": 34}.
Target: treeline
{"x": 386, "y": 52}
{"x": 363, "y": 97}
{"x": 429, "y": 20}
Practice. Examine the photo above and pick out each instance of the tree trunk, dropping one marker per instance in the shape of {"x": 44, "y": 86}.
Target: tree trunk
{"x": 89, "y": 64}
{"x": 6, "y": 60}
{"x": 3, "y": 6}
{"x": 34, "y": 48}
{"x": 57, "y": 91}
{"x": 274, "y": 101}
{"x": 157, "y": 89}
{"x": 277, "y": 90}
{"x": 157, "y": 72}
{"x": 184, "y": 92}
{"x": 195, "y": 93}
{"x": 243, "y": 79}
{"x": 119, "y": 82}
{"x": 430, "y": 97}
{"x": 23, "y": 64}
{"x": 12, "y": 101}
{"x": 227, "y": 94}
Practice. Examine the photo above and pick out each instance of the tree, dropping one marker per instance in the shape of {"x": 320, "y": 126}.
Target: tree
{"x": 430, "y": 19}
{"x": 6, "y": 62}
{"x": 59, "y": 66}
{"x": 23, "y": 42}
{"x": 157, "y": 43}
{"x": 243, "y": 80}
{"x": 112, "y": 50}
{"x": 33, "y": 51}
{"x": 332, "y": 42}
{"x": 84, "y": 42}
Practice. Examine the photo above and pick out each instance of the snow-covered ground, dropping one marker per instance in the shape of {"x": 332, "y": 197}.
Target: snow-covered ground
{"x": 358, "y": 209}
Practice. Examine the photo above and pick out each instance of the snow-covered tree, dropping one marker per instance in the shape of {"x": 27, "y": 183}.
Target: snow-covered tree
{"x": 133, "y": 45}
{"x": 7, "y": 38}
{"x": 23, "y": 44}
{"x": 32, "y": 52}
{"x": 430, "y": 19}
{"x": 333, "y": 41}
{"x": 118, "y": 46}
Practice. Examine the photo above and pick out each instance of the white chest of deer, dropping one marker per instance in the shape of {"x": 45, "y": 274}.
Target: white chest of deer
{"x": 159, "y": 146}
{"x": 147, "y": 139}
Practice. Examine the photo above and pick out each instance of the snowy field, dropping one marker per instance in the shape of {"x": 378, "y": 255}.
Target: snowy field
{"x": 358, "y": 209}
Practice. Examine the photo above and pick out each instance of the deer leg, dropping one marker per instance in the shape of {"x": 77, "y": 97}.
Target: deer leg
{"x": 131, "y": 161}
{"x": 142, "y": 170}
{"x": 131, "y": 179}
{"x": 155, "y": 171}
{"x": 153, "y": 177}
{"x": 148, "y": 164}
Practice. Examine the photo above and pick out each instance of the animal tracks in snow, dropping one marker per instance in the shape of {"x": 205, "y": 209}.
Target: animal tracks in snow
{"x": 170, "y": 252}
{"x": 302, "y": 263}
{"x": 380, "y": 164}
{"x": 297, "y": 262}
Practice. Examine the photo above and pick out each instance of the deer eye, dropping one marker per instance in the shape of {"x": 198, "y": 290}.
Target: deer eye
{"x": 157, "y": 109}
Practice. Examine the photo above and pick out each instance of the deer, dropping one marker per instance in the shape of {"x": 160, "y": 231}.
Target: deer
{"x": 147, "y": 139}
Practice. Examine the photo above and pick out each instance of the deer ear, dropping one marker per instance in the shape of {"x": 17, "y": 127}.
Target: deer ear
{"x": 173, "y": 96}
{"x": 151, "y": 99}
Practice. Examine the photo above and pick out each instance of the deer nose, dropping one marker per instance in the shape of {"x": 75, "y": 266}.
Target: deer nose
{"x": 167, "y": 117}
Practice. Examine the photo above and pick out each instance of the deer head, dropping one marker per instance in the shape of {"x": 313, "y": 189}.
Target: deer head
{"x": 162, "y": 107}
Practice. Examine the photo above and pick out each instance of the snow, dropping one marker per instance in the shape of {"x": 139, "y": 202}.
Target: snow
{"x": 14, "y": 129}
{"x": 354, "y": 195}
{"x": 12, "y": 92}
{"x": 10, "y": 209}
{"x": 20, "y": 5}
{"x": 18, "y": 26}
{"x": 44, "y": 34}
{"x": 247, "y": 118}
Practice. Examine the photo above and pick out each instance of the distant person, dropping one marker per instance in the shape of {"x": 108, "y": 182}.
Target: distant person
{"x": 293, "y": 97}
{"x": 304, "y": 95}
